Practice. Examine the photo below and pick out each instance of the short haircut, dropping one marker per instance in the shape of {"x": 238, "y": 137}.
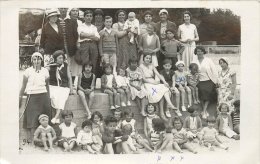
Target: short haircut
{"x": 110, "y": 119}
{"x": 192, "y": 65}
{"x": 199, "y": 48}
{"x": 57, "y": 53}
{"x": 236, "y": 103}
{"x": 133, "y": 60}
{"x": 167, "y": 61}
{"x": 158, "y": 124}
{"x": 65, "y": 113}
{"x": 88, "y": 63}
{"x": 108, "y": 66}
{"x": 147, "y": 12}
{"x": 211, "y": 119}
{"x": 128, "y": 113}
{"x": 98, "y": 114}
{"x": 175, "y": 119}
{"x": 86, "y": 123}
{"x": 171, "y": 30}
{"x": 222, "y": 61}
{"x": 88, "y": 12}
{"x": 150, "y": 104}
{"x": 120, "y": 68}
{"x": 119, "y": 11}
{"x": 131, "y": 14}
{"x": 108, "y": 17}
{"x": 193, "y": 108}
{"x": 147, "y": 55}
{"x": 222, "y": 104}
{"x": 187, "y": 12}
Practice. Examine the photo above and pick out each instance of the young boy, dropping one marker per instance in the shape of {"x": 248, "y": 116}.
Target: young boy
{"x": 44, "y": 133}
{"x": 108, "y": 44}
{"x": 168, "y": 74}
{"x": 171, "y": 48}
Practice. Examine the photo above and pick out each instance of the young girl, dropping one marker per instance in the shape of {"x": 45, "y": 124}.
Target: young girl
{"x": 134, "y": 73}
{"x": 236, "y": 116}
{"x": 193, "y": 80}
{"x": 128, "y": 120}
{"x": 68, "y": 131}
{"x": 158, "y": 138}
{"x": 129, "y": 147}
{"x": 148, "y": 126}
{"x": 108, "y": 84}
{"x": 97, "y": 127}
{"x": 118, "y": 116}
{"x": 86, "y": 85}
{"x": 44, "y": 134}
{"x": 180, "y": 137}
{"x": 132, "y": 26}
{"x": 86, "y": 140}
{"x": 149, "y": 44}
{"x": 181, "y": 83}
{"x": 122, "y": 87}
{"x": 209, "y": 135}
{"x": 36, "y": 83}
{"x": 193, "y": 123}
{"x": 224, "y": 122}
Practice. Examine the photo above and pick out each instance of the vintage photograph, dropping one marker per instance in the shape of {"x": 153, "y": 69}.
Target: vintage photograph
{"x": 129, "y": 80}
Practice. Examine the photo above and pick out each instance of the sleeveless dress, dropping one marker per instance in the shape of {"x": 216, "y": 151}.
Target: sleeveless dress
{"x": 86, "y": 82}
{"x": 188, "y": 32}
{"x": 154, "y": 91}
{"x": 126, "y": 49}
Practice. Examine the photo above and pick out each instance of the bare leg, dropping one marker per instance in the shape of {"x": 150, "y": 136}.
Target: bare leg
{"x": 190, "y": 148}
{"x": 57, "y": 113}
{"x": 193, "y": 95}
{"x": 197, "y": 94}
{"x": 50, "y": 140}
{"x": 145, "y": 144}
{"x": 96, "y": 147}
{"x": 125, "y": 147}
{"x": 168, "y": 100}
{"x": 122, "y": 96}
{"x": 178, "y": 98}
{"x": 91, "y": 99}
{"x": 161, "y": 109}
{"x": 176, "y": 147}
{"x": 66, "y": 146}
{"x": 189, "y": 95}
{"x": 116, "y": 98}
{"x": 111, "y": 98}
{"x": 71, "y": 145}
{"x": 83, "y": 100}
{"x": 108, "y": 148}
{"x": 182, "y": 91}
{"x": 44, "y": 141}
{"x": 166, "y": 141}
{"x": 205, "y": 106}
{"x": 128, "y": 95}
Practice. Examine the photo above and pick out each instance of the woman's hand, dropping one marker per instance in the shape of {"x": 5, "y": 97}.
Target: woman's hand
{"x": 167, "y": 85}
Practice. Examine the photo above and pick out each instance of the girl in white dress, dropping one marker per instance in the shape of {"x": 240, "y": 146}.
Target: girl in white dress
{"x": 188, "y": 34}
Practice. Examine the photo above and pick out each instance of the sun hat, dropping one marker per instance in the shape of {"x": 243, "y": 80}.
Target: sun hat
{"x": 36, "y": 54}
{"x": 179, "y": 62}
{"x": 52, "y": 12}
{"x": 163, "y": 11}
{"x": 225, "y": 59}
{"x": 42, "y": 116}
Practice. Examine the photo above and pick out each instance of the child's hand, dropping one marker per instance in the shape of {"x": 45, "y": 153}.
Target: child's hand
{"x": 172, "y": 89}
{"x": 167, "y": 85}
{"x": 78, "y": 45}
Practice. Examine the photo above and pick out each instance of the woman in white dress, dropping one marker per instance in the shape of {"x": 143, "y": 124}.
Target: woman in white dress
{"x": 188, "y": 35}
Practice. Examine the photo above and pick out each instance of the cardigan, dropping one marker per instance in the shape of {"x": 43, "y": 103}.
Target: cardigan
{"x": 186, "y": 123}
{"x": 155, "y": 43}
{"x": 51, "y": 41}
{"x": 220, "y": 122}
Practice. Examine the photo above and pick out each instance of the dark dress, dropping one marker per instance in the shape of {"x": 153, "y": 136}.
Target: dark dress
{"x": 86, "y": 82}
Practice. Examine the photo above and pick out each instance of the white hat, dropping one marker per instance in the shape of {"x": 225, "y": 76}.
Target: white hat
{"x": 43, "y": 116}
{"x": 52, "y": 12}
{"x": 163, "y": 11}
{"x": 36, "y": 54}
{"x": 179, "y": 62}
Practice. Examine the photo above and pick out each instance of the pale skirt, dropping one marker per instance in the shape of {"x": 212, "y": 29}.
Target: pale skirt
{"x": 59, "y": 96}
{"x": 155, "y": 92}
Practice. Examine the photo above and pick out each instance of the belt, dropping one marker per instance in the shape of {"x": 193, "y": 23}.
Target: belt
{"x": 87, "y": 41}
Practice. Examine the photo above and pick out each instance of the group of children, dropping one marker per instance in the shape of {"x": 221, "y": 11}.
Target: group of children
{"x": 118, "y": 133}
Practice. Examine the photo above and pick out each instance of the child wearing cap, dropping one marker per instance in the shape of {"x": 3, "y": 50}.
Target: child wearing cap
{"x": 44, "y": 134}
{"x": 181, "y": 83}
{"x": 68, "y": 131}
{"x": 132, "y": 26}
{"x": 172, "y": 48}
{"x": 193, "y": 123}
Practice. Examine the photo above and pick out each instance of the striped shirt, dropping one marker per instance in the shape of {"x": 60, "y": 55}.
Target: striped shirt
{"x": 235, "y": 118}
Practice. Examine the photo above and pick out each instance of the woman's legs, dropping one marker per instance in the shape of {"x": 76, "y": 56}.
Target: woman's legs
{"x": 83, "y": 100}
{"x": 205, "y": 106}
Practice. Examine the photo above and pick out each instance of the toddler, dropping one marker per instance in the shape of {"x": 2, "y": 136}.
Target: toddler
{"x": 224, "y": 122}
{"x": 181, "y": 84}
{"x": 108, "y": 84}
{"x": 129, "y": 120}
{"x": 108, "y": 44}
{"x": 86, "y": 85}
{"x": 193, "y": 123}
{"x": 168, "y": 75}
{"x": 193, "y": 80}
{"x": 209, "y": 135}
{"x": 122, "y": 87}
{"x": 158, "y": 138}
{"x": 44, "y": 134}
{"x": 97, "y": 127}
{"x": 68, "y": 131}
{"x": 148, "y": 126}
{"x": 236, "y": 116}
{"x": 86, "y": 140}
{"x": 129, "y": 146}
{"x": 172, "y": 48}
{"x": 132, "y": 26}
{"x": 138, "y": 92}
{"x": 180, "y": 139}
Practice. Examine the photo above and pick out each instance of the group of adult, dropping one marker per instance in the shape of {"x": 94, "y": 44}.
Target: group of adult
{"x": 65, "y": 30}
